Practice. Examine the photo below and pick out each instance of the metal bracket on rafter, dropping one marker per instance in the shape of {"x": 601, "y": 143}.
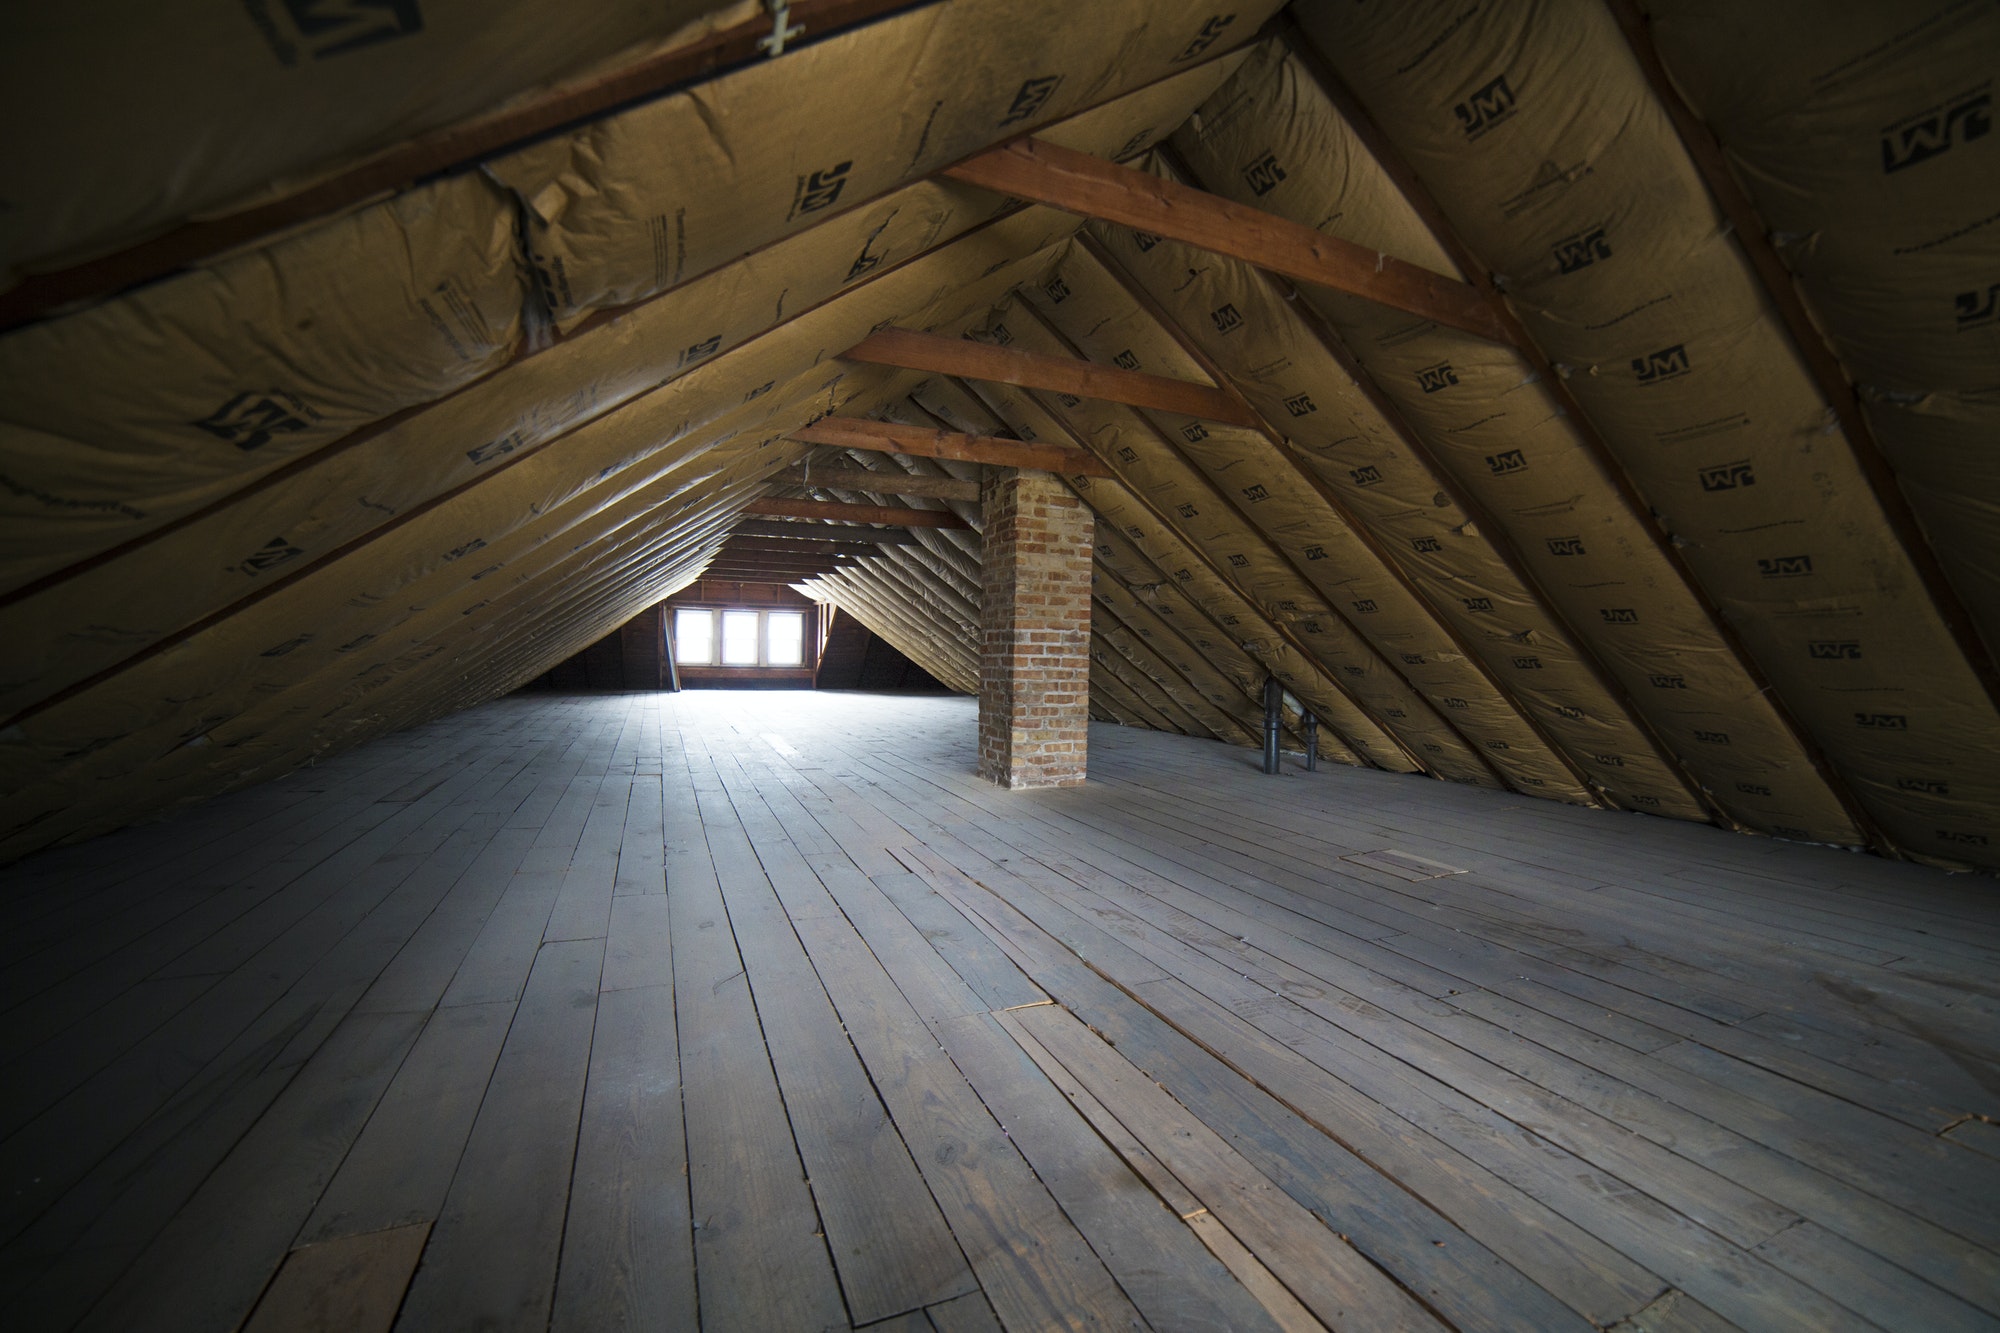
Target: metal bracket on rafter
{"x": 782, "y": 28}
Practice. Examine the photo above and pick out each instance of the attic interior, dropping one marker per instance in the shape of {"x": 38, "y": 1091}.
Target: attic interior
{"x": 1177, "y": 664}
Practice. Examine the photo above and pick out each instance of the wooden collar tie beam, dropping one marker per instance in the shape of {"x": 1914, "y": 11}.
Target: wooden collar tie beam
{"x": 970, "y": 360}
{"x": 888, "y": 437}
{"x": 1091, "y": 187}
{"x": 886, "y": 514}
{"x": 884, "y": 482}
{"x": 811, "y": 531}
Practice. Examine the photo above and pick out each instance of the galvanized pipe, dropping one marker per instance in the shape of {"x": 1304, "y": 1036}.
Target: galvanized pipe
{"x": 1274, "y": 716}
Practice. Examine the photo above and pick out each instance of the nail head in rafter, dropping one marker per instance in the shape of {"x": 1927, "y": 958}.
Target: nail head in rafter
{"x": 1076, "y": 182}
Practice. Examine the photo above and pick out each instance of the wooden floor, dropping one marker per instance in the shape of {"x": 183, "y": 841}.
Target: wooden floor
{"x": 756, "y": 1011}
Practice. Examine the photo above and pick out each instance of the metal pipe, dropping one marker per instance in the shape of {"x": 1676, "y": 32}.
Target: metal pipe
{"x": 1274, "y": 704}
{"x": 1311, "y": 725}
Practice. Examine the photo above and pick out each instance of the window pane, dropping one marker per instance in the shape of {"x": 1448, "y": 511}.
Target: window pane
{"x": 694, "y": 636}
{"x": 739, "y": 638}
{"x": 788, "y": 638}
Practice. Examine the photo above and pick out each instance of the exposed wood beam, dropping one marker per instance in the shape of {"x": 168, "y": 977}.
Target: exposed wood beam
{"x": 1076, "y": 182}
{"x": 909, "y": 350}
{"x": 888, "y": 514}
{"x": 1821, "y": 362}
{"x": 810, "y": 531}
{"x": 881, "y": 483}
{"x": 404, "y": 164}
{"x": 889, "y": 437}
{"x": 770, "y": 546}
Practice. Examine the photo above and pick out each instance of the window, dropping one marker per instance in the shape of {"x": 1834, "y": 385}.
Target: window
{"x": 745, "y": 638}
{"x": 739, "y": 638}
{"x": 785, "y": 638}
{"x": 694, "y": 636}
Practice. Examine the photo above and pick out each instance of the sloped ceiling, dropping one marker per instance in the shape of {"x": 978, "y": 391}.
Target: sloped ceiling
{"x": 361, "y": 370}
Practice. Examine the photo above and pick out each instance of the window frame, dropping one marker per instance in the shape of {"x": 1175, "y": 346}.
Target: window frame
{"x": 714, "y": 661}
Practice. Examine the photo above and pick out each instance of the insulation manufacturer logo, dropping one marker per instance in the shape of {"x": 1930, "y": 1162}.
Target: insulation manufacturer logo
{"x": 1578, "y": 252}
{"x": 819, "y": 190}
{"x": 1057, "y": 289}
{"x": 1610, "y": 760}
{"x": 1034, "y": 94}
{"x": 499, "y": 448}
{"x": 1300, "y": 405}
{"x": 1145, "y": 240}
{"x": 1313, "y": 627}
{"x": 1753, "y": 789}
{"x": 1785, "y": 567}
{"x": 1315, "y": 553}
{"x": 1712, "y": 737}
{"x": 1527, "y": 664}
{"x": 1134, "y": 531}
{"x": 1927, "y": 786}
{"x": 1440, "y": 376}
{"x": 1354, "y": 671}
{"x": 1426, "y": 544}
{"x": 1727, "y": 476}
{"x": 288, "y": 646}
{"x": 1394, "y": 712}
{"x": 1194, "y": 432}
{"x": 1498, "y": 745}
{"x": 760, "y": 390}
{"x": 1619, "y": 615}
{"x": 1570, "y": 711}
{"x": 1487, "y": 107}
{"x": 1413, "y": 659}
{"x": 1184, "y": 575}
{"x": 1210, "y": 31}
{"x": 702, "y": 350}
{"x": 272, "y": 553}
{"x": 460, "y": 552}
{"x": 1366, "y": 606}
{"x": 1667, "y": 682}
{"x": 1927, "y": 134}
{"x": 1365, "y": 476}
{"x": 1127, "y": 454}
{"x": 1975, "y": 308}
{"x": 1239, "y": 562}
{"x": 1126, "y": 360}
{"x": 328, "y": 28}
{"x": 1834, "y": 650}
{"x": 1955, "y": 835}
{"x": 1226, "y": 319}
{"x": 251, "y": 419}
{"x": 1566, "y": 546}
{"x": 1255, "y": 493}
{"x": 1264, "y": 174}
{"x": 1069, "y": 400}
{"x": 1882, "y": 721}
{"x": 1477, "y": 603}
{"x": 1452, "y": 701}
{"x": 1187, "y": 511}
{"x": 1511, "y": 461}
{"x": 1669, "y": 363}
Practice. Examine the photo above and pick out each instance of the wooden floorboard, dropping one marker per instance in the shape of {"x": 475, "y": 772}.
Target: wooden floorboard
{"x": 761, "y": 1011}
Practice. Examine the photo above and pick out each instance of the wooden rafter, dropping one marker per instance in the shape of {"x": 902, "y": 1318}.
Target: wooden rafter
{"x": 853, "y": 513}
{"x": 404, "y": 164}
{"x": 966, "y": 359}
{"x": 888, "y": 437}
{"x": 1076, "y": 182}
